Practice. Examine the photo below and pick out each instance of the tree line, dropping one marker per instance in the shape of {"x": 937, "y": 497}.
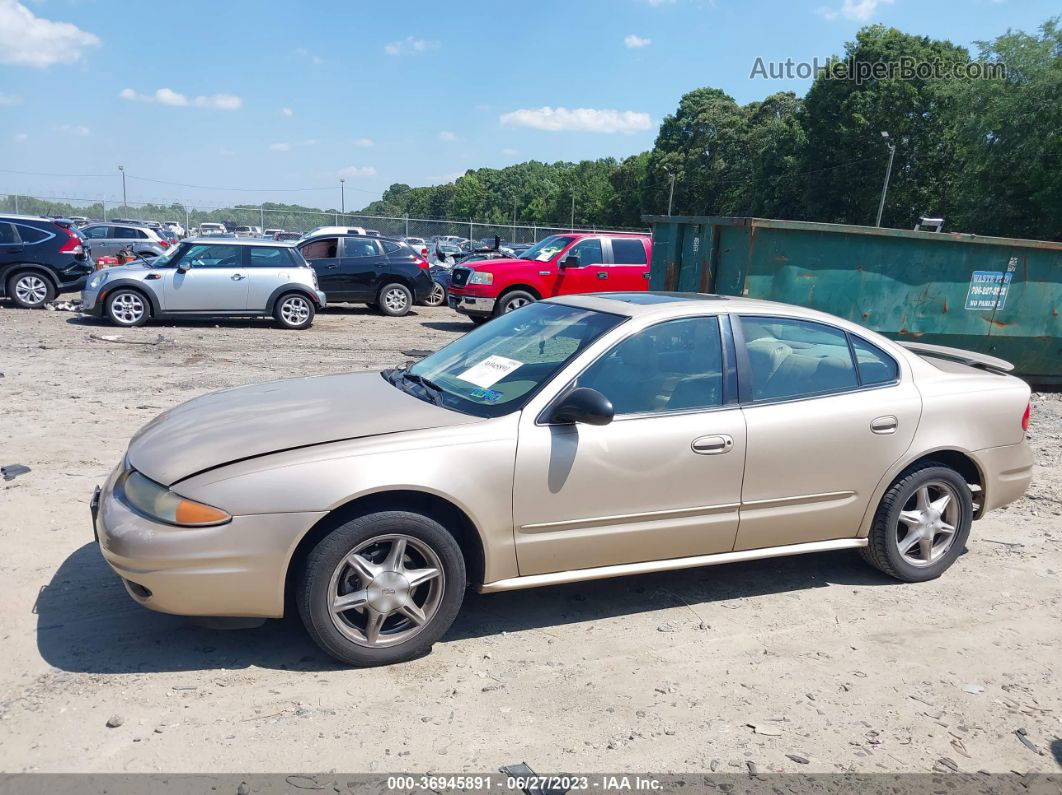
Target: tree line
{"x": 984, "y": 154}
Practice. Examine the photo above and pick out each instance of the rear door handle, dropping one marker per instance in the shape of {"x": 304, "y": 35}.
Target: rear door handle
{"x": 884, "y": 425}
{"x": 602, "y": 274}
{"x": 237, "y": 276}
{"x": 713, "y": 445}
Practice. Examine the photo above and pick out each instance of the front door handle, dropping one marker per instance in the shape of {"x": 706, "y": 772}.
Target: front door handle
{"x": 602, "y": 274}
{"x": 884, "y": 425}
{"x": 237, "y": 276}
{"x": 713, "y": 445}
{"x": 332, "y": 267}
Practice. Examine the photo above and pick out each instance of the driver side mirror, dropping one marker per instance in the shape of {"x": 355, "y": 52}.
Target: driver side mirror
{"x": 584, "y": 405}
{"x": 182, "y": 268}
{"x": 571, "y": 261}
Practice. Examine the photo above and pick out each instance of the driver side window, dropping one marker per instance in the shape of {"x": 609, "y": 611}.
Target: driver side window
{"x": 672, "y": 366}
{"x": 588, "y": 252}
{"x": 208, "y": 256}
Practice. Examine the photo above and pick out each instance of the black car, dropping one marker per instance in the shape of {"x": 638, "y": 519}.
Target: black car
{"x": 382, "y": 272}
{"x": 40, "y": 258}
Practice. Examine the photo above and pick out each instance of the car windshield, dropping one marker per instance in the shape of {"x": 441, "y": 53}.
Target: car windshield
{"x": 545, "y": 250}
{"x": 496, "y": 368}
{"x": 165, "y": 259}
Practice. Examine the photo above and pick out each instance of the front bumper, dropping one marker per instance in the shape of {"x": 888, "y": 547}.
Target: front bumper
{"x": 235, "y": 569}
{"x": 1007, "y": 472}
{"x": 470, "y": 304}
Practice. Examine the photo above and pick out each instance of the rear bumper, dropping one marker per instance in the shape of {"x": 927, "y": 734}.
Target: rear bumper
{"x": 234, "y": 569}
{"x": 1007, "y": 473}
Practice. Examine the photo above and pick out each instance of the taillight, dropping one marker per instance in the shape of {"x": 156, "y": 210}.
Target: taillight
{"x": 72, "y": 244}
{"x": 1025, "y": 417}
{"x": 423, "y": 264}
{"x": 424, "y": 253}
{"x": 165, "y": 245}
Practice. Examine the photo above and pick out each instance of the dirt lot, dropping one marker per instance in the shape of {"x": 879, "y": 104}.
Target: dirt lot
{"x": 829, "y": 661}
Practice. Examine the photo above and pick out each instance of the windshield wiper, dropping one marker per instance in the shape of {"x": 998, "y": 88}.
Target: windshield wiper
{"x": 431, "y": 389}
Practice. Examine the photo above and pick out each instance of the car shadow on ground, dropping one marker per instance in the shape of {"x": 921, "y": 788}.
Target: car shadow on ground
{"x": 87, "y": 623}
{"x": 457, "y": 325}
{"x": 171, "y": 322}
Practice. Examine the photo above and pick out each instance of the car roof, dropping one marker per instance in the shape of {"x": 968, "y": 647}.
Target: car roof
{"x": 21, "y": 217}
{"x": 666, "y": 304}
{"x": 240, "y": 241}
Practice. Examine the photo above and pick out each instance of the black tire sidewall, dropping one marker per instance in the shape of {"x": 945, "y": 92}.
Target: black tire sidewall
{"x": 508, "y": 297}
{"x": 49, "y": 293}
{"x": 279, "y": 317}
{"x": 381, "y": 306}
{"x": 121, "y": 291}
{"x": 312, "y": 587}
{"x": 897, "y": 496}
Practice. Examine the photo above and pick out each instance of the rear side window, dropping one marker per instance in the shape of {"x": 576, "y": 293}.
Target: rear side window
{"x": 394, "y": 248}
{"x": 321, "y": 249}
{"x": 127, "y": 233}
{"x": 359, "y": 247}
{"x": 628, "y": 252}
{"x": 796, "y": 358}
{"x": 7, "y": 234}
{"x": 265, "y": 257}
{"x": 875, "y": 366}
{"x": 31, "y": 234}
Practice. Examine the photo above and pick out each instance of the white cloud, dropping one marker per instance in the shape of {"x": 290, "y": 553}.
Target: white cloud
{"x": 28, "y": 40}
{"x": 10, "y": 99}
{"x": 658, "y": 3}
{"x": 287, "y": 112}
{"x": 578, "y": 120}
{"x": 20, "y": 138}
{"x": 634, "y": 42}
{"x": 364, "y": 143}
{"x": 280, "y": 147}
{"x": 853, "y": 10}
{"x": 510, "y": 152}
{"x": 410, "y": 45}
{"x": 175, "y": 99}
{"x": 80, "y": 130}
{"x": 357, "y": 171}
{"x": 309, "y": 142}
{"x": 446, "y": 135}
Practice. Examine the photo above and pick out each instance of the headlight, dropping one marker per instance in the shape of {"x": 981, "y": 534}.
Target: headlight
{"x": 481, "y": 277}
{"x": 160, "y": 503}
{"x": 98, "y": 279}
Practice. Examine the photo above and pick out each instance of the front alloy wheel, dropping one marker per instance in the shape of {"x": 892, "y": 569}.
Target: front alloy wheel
{"x": 127, "y": 308}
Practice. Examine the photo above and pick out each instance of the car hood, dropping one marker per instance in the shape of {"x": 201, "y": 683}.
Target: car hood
{"x": 134, "y": 269}
{"x": 250, "y": 421}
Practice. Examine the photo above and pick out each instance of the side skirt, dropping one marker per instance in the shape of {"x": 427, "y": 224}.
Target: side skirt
{"x": 603, "y": 572}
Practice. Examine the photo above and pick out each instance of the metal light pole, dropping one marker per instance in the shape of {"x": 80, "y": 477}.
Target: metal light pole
{"x": 342, "y": 197}
{"x": 125, "y": 204}
{"x": 888, "y": 173}
{"x": 671, "y": 193}
{"x": 573, "y": 211}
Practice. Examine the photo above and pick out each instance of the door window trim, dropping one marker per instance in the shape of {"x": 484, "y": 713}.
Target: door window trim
{"x": 49, "y": 235}
{"x": 744, "y": 368}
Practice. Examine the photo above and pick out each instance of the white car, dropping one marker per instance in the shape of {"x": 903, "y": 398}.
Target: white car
{"x": 175, "y": 227}
{"x": 208, "y": 228}
{"x": 334, "y": 230}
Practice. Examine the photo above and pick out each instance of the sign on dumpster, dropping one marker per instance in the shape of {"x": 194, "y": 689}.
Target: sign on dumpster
{"x": 988, "y": 289}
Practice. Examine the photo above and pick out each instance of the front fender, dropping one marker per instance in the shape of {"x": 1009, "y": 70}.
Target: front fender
{"x": 110, "y": 286}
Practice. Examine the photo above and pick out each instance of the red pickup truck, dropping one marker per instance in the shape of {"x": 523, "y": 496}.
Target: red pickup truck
{"x": 559, "y": 265}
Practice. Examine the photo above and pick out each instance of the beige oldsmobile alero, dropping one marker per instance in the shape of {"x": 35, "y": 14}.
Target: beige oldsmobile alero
{"x": 573, "y": 439}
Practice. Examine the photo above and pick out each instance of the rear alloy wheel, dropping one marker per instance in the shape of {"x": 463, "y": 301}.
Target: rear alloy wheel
{"x": 382, "y": 588}
{"x": 514, "y": 300}
{"x": 395, "y": 300}
{"x": 294, "y": 311}
{"x": 30, "y": 290}
{"x": 127, "y": 308}
{"x": 438, "y": 295}
{"x": 922, "y": 524}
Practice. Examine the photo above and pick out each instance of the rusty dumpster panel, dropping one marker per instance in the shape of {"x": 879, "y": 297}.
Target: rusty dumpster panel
{"x": 996, "y": 295}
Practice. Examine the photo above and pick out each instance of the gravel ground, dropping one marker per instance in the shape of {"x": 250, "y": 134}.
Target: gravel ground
{"x": 814, "y": 664}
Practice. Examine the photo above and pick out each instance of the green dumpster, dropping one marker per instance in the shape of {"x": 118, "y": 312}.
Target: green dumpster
{"x": 995, "y": 295}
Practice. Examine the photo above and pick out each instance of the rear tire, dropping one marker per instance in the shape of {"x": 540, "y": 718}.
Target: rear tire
{"x": 127, "y": 308}
{"x": 294, "y": 311}
{"x": 394, "y": 300}
{"x": 396, "y": 607}
{"x": 437, "y": 296}
{"x": 30, "y": 290}
{"x": 921, "y": 525}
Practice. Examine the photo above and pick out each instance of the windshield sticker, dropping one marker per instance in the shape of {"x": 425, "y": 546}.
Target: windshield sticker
{"x": 490, "y": 371}
{"x": 488, "y": 395}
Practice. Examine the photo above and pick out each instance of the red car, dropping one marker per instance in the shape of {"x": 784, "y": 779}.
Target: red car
{"x": 559, "y": 265}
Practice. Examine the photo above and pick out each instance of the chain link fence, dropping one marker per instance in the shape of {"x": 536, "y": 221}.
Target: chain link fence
{"x": 288, "y": 220}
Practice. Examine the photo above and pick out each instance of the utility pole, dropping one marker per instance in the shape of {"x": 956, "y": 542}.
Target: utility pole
{"x": 16, "y": 204}
{"x": 573, "y": 210}
{"x": 125, "y": 204}
{"x": 671, "y": 193}
{"x": 888, "y": 173}
{"x": 514, "y": 221}
{"x": 342, "y": 197}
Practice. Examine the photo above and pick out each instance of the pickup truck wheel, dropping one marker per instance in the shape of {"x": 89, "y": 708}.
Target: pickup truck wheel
{"x": 514, "y": 300}
{"x": 30, "y": 290}
{"x": 127, "y": 307}
{"x": 921, "y": 525}
{"x": 381, "y": 588}
{"x": 294, "y": 311}
{"x": 394, "y": 300}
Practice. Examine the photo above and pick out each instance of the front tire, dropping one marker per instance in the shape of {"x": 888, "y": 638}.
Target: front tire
{"x": 922, "y": 524}
{"x": 294, "y": 311}
{"x": 514, "y": 300}
{"x": 30, "y": 290}
{"x": 394, "y": 300}
{"x": 127, "y": 308}
{"x": 381, "y": 588}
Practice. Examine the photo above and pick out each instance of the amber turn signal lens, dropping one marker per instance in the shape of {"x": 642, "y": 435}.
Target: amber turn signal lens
{"x": 193, "y": 513}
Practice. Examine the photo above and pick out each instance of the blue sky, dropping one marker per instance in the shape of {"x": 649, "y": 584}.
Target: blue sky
{"x": 240, "y": 94}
